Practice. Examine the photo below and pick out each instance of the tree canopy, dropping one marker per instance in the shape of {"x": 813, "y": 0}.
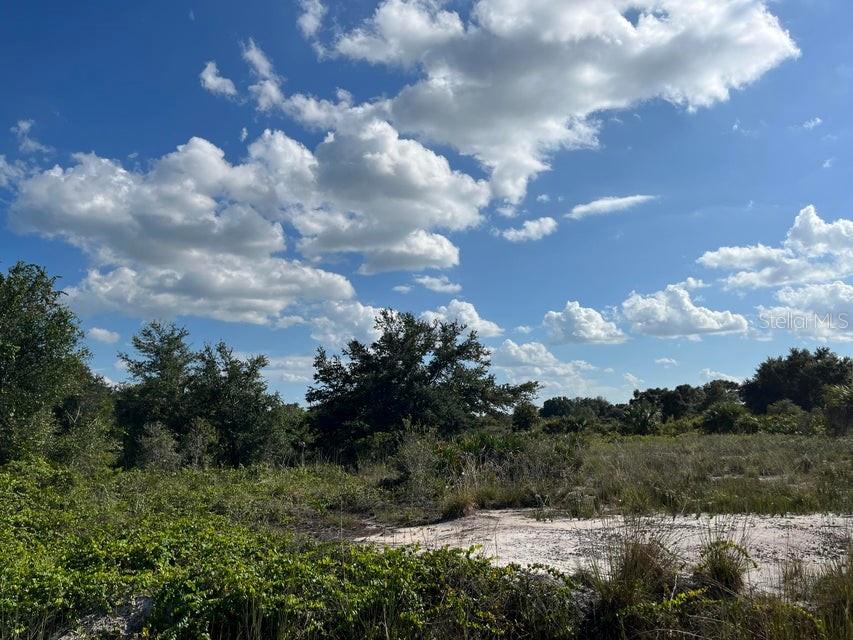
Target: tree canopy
{"x": 40, "y": 352}
{"x": 800, "y": 377}
{"x": 207, "y": 405}
{"x": 431, "y": 374}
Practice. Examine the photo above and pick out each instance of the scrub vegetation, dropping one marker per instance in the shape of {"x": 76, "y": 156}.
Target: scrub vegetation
{"x": 192, "y": 502}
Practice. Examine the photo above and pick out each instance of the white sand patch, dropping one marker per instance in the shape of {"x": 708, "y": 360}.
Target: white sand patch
{"x": 516, "y": 536}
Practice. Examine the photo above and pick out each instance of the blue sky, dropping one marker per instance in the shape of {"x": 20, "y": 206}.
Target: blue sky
{"x": 436, "y": 157}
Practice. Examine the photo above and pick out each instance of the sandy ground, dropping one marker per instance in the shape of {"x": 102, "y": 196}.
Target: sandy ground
{"x": 516, "y": 536}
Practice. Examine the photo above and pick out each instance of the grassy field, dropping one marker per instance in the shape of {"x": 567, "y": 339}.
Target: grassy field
{"x": 262, "y": 552}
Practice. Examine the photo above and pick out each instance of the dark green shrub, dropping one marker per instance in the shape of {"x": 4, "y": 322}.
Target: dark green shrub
{"x": 723, "y": 417}
{"x": 525, "y": 416}
{"x": 838, "y": 403}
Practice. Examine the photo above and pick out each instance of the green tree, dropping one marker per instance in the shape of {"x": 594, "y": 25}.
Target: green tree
{"x": 717, "y": 391}
{"x": 231, "y": 394}
{"x": 799, "y": 377}
{"x": 588, "y": 408}
{"x": 40, "y": 353}
{"x": 85, "y": 434}
{"x": 557, "y": 407}
{"x": 160, "y": 373}
{"x": 427, "y": 374}
{"x": 525, "y": 416}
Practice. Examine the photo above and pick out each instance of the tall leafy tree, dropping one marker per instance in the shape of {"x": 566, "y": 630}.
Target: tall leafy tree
{"x": 231, "y": 395}
{"x": 423, "y": 373}
{"x": 86, "y": 434}
{"x": 160, "y": 372}
{"x": 799, "y": 377}
{"x": 40, "y": 352}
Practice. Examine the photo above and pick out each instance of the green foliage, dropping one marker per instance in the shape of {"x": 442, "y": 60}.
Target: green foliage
{"x": 525, "y": 416}
{"x": 724, "y": 417}
{"x": 839, "y": 408}
{"x": 832, "y": 596}
{"x": 723, "y": 567}
{"x": 799, "y": 377}
{"x": 69, "y": 549}
{"x": 425, "y": 374}
{"x": 159, "y": 392}
{"x": 157, "y": 448}
{"x": 40, "y": 353}
{"x": 86, "y": 435}
{"x": 637, "y": 569}
{"x": 210, "y": 405}
{"x": 641, "y": 417}
{"x": 216, "y": 552}
{"x": 231, "y": 394}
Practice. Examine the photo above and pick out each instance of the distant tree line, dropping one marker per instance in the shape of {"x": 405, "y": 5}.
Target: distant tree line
{"x": 186, "y": 407}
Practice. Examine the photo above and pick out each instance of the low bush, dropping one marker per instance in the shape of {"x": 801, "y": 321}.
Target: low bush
{"x": 723, "y": 567}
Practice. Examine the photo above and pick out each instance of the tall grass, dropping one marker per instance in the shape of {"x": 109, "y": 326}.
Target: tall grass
{"x": 761, "y": 473}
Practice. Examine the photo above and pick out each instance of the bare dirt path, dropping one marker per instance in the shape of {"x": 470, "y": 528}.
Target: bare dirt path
{"x": 516, "y": 536}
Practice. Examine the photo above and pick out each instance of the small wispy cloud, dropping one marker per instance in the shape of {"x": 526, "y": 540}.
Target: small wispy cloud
{"x": 812, "y": 123}
{"x": 103, "y": 335}
{"x": 634, "y": 381}
{"x": 26, "y": 142}
{"x": 666, "y": 362}
{"x": 440, "y": 284}
{"x": 608, "y": 204}
{"x": 311, "y": 19}
{"x": 710, "y": 374}
{"x": 531, "y": 230}
{"x": 215, "y": 83}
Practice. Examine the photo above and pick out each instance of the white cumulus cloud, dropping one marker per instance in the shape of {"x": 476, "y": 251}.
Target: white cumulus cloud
{"x": 581, "y": 324}
{"x": 813, "y": 251}
{"x": 311, "y": 18}
{"x": 672, "y": 313}
{"x": 513, "y": 82}
{"x": 710, "y": 374}
{"x": 464, "y": 313}
{"x": 533, "y": 361}
{"x": 192, "y": 235}
{"x": 338, "y": 322}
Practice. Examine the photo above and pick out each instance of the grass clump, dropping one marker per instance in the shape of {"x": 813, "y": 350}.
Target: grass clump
{"x": 636, "y": 568}
{"x": 723, "y": 567}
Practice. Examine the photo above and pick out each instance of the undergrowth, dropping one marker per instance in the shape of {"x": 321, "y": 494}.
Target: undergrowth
{"x": 261, "y": 552}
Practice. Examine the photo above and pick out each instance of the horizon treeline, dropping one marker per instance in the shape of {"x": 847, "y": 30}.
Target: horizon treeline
{"x": 186, "y": 407}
